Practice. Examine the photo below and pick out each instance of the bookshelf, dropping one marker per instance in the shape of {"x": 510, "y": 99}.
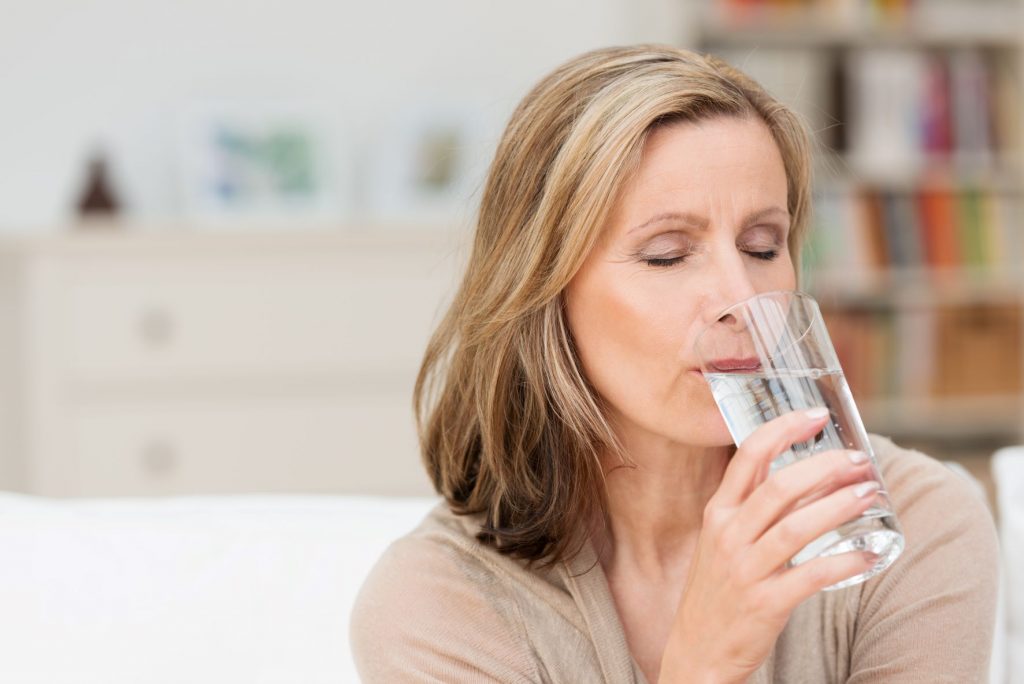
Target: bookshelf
{"x": 917, "y": 256}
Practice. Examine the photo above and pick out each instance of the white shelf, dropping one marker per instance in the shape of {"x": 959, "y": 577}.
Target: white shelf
{"x": 177, "y": 236}
{"x": 272, "y": 361}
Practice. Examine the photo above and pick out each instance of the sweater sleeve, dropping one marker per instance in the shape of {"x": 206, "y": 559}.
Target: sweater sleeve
{"x": 430, "y": 612}
{"x": 931, "y": 616}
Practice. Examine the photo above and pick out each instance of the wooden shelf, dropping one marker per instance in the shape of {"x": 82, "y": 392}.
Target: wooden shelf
{"x": 916, "y": 287}
{"x": 961, "y": 418}
{"x": 799, "y": 51}
{"x": 994, "y": 24}
{"x": 838, "y": 172}
{"x": 824, "y": 36}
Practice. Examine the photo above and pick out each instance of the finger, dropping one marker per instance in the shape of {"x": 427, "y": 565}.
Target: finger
{"x": 795, "y": 585}
{"x": 749, "y": 466}
{"x": 798, "y": 485}
{"x": 798, "y": 529}
{"x": 862, "y": 474}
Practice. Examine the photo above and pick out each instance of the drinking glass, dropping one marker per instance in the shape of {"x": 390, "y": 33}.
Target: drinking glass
{"x": 771, "y": 354}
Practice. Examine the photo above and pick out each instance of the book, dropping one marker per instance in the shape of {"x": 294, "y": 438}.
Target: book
{"x": 915, "y": 353}
{"x": 886, "y": 87}
{"x": 971, "y": 102}
{"x": 978, "y": 350}
{"x": 874, "y": 228}
{"x": 938, "y": 228}
{"x": 934, "y": 110}
{"x": 901, "y": 231}
{"x": 909, "y": 230}
{"x": 992, "y": 230}
{"x": 972, "y": 249}
{"x": 1006, "y": 110}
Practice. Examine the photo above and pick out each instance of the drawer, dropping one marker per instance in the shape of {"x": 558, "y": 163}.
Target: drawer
{"x": 362, "y": 444}
{"x": 202, "y": 316}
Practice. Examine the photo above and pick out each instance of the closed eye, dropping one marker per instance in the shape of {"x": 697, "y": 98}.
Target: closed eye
{"x": 664, "y": 262}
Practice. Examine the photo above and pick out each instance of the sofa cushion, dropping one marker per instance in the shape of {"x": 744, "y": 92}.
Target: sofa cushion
{"x": 241, "y": 588}
{"x": 1008, "y": 474}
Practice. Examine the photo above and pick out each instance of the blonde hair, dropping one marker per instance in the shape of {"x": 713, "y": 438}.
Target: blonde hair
{"x": 509, "y": 426}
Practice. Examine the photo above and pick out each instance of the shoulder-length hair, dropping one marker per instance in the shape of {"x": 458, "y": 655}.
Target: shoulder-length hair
{"x": 509, "y": 426}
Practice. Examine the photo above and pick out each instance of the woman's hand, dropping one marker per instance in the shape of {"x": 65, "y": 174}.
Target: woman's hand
{"x": 739, "y": 594}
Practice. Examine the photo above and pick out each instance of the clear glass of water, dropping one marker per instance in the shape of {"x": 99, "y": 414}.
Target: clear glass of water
{"x": 771, "y": 354}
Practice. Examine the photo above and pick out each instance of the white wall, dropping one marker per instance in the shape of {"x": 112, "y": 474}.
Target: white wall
{"x": 77, "y": 72}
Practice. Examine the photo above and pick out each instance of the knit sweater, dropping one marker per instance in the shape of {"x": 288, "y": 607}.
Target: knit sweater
{"x": 441, "y": 607}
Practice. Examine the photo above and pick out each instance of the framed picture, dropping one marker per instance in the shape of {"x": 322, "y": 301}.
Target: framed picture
{"x": 242, "y": 163}
{"x": 427, "y": 165}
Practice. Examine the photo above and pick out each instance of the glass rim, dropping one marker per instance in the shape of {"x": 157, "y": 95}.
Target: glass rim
{"x": 799, "y": 293}
{"x": 770, "y": 294}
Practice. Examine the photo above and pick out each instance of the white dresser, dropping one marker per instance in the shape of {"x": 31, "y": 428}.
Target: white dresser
{"x": 183, "y": 363}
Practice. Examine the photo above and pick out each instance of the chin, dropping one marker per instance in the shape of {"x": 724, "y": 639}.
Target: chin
{"x": 709, "y": 430}
{"x": 709, "y": 438}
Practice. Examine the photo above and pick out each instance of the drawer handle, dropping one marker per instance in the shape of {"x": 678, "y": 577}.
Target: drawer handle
{"x": 156, "y": 327}
{"x": 159, "y": 457}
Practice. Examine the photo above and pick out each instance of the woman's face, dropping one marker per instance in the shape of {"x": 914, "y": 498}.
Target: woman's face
{"x": 702, "y": 225}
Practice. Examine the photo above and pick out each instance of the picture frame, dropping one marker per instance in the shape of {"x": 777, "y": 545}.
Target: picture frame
{"x": 258, "y": 162}
{"x": 427, "y": 165}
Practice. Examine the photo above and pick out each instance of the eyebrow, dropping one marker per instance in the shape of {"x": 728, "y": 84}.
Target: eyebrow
{"x": 702, "y": 223}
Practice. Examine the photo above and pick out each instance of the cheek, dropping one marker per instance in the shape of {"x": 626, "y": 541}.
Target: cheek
{"x": 616, "y": 328}
{"x": 632, "y": 344}
{"x": 633, "y": 354}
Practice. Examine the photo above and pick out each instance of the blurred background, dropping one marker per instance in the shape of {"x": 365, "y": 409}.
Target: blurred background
{"x": 227, "y": 230}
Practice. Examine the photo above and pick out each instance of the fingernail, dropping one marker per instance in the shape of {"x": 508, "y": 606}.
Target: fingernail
{"x": 816, "y": 413}
{"x": 857, "y": 456}
{"x": 865, "y": 488}
{"x": 871, "y": 557}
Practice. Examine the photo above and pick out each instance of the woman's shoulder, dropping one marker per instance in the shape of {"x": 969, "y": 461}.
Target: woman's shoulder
{"x": 943, "y": 511}
{"x": 916, "y": 481}
{"x": 944, "y": 586}
{"x": 436, "y": 601}
{"x": 928, "y": 617}
{"x": 439, "y": 555}
{"x": 445, "y": 542}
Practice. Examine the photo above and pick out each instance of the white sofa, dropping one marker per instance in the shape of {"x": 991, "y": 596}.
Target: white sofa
{"x": 1008, "y": 473}
{"x": 253, "y": 588}
{"x": 197, "y": 590}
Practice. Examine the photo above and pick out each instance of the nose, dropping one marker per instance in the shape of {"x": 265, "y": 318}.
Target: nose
{"x": 731, "y": 285}
{"x": 731, "y": 322}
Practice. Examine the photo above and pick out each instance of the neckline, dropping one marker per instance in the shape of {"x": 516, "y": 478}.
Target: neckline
{"x": 588, "y": 585}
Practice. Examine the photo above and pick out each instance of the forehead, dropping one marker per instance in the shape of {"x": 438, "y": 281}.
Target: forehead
{"x": 704, "y": 165}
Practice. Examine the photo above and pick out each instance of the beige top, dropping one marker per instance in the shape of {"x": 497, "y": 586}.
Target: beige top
{"x": 441, "y": 607}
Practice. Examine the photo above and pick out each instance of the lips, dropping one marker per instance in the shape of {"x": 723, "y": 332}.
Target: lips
{"x": 732, "y": 365}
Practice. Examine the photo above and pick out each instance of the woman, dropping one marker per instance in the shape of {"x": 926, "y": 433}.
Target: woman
{"x": 598, "y": 523}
